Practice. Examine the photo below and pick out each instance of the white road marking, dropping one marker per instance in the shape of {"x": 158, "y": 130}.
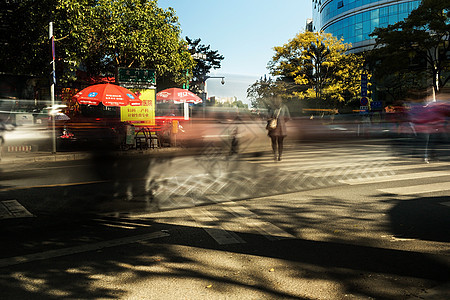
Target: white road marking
{"x": 223, "y": 237}
{"x": 10, "y": 261}
{"x": 420, "y": 165}
{"x": 397, "y": 177}
{"x": 13, "y": 209}
{"x": 219, "y": 234}
{"x": 317, "y": 163}
{"x": 121, "y": 223}
{"x": 247, "y": 218}
{"x": 418, "y": 189}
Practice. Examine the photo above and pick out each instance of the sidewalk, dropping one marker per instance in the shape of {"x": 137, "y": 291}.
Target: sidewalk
{"x": 31, "y": 157}
{"x": 46, "y": 156}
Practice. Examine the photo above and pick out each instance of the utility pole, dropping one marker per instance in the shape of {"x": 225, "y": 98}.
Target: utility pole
{"x": 52, "y": 86}
{"x": 205, "y": 92}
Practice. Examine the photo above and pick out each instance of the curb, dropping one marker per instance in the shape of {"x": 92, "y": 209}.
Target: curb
{"x": 33, "y": 157}
{"x": 45, "y": 158}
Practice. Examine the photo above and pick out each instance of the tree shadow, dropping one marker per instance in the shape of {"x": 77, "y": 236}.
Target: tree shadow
{"x": 358, "y": 264}
{"x": 424, "y": 218}
{"x": 361, "y": 267}
{"x": 360, "y": 270}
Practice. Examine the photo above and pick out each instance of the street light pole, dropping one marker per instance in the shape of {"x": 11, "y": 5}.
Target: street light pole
{"x": 52, "y": 86}
{"x": 205, "y": 92}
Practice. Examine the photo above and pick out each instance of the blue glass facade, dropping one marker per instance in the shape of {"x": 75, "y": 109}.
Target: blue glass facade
{"x": 354, "y": 20}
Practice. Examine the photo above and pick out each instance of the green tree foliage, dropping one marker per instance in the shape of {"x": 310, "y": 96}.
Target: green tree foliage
{"x": 100, "y": 36}
{"x": 318, "y": 67}
{"x": 420, "y": 42}
{"x": 126, "y": 33}
{"x": 205, "y": 60}
{"x": 25, "y": 45}
{"x": 263, "y": 90}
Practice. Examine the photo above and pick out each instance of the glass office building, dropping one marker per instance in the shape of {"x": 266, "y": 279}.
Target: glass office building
{"x": 354, "y": 20}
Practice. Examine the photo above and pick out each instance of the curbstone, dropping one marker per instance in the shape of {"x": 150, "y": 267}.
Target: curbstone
{"x": 44, "y": 158}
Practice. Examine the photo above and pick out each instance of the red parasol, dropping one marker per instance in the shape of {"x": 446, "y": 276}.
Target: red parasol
{"x": 108, "y": 94}
{"x": 178, "y": 96}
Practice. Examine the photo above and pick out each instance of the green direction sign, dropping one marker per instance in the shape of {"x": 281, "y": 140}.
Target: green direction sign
{"x": 140, "y": 76}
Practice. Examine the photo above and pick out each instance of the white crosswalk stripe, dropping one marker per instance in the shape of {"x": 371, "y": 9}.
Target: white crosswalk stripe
{"x": 246, "y": 218}
{"x": 398, "y": 177}
{"x": 225, "y": 230}
{"x": 328, "y": 164}
{"x": 207, "y": 221}
{"x": 418, "y": 189}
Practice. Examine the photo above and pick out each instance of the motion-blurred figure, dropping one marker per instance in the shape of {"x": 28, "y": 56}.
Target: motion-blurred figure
{"x": 430, "y": 122}
{"x": 3, "y": 128}
{"x": 277, "y": 135}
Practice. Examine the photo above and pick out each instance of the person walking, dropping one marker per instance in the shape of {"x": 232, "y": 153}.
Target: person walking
{"x": 277, "y": 127}
{"x": 430, "y": 121}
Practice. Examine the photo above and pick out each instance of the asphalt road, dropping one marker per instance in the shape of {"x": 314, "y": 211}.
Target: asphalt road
{"x": 346, "y": 227}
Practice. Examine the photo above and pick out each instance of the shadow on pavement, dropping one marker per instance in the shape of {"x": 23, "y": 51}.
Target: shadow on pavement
{"x": 364, "y": 272}
{"x": 421, "y": 218}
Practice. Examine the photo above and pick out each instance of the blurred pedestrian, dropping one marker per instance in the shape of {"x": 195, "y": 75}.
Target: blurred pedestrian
{"x": 2, "y": 139}
{"x": 429, "y": 121}
{"x": 277, "y": 132}
{"x": 3, "y": 128}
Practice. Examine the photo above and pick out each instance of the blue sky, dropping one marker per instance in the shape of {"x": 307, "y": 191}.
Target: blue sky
{"x": 243, "y": 31}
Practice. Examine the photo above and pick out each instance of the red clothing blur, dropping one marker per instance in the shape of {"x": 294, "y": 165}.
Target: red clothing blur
{"x": 430, "y": 118}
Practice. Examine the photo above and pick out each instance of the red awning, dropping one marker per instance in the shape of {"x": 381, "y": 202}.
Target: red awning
{"x": 108, "y": 95}
{"x": 177, "y": 96}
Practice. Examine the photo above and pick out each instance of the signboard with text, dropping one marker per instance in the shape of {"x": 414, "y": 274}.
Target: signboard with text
{"x": 376, "y": 105}
{"x": 140, "y": 115}
{"x": 137, "y": 78}
{"x": 364, "y": 81}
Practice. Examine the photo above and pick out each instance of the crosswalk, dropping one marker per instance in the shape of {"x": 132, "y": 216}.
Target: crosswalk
{"x": 242, "y": 220}
{"x": 308, "y": 167}
{"x": 352, "y": 164}
{"x": 305, "y": 167}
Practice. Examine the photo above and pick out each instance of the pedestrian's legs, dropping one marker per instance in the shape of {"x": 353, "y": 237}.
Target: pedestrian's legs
{"x": 2, "y": 141}
{"x": 435, "y": 137}
{"x": 280, "y": 146}
{"x": 427, "y": 141}
{"x": 274, "y": 146}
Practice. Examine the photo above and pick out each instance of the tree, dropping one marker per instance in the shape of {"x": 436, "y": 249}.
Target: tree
{"x": 318, "y": 65}
{"x": 129, "y": 33}
{"x": 421, "y": 40}
{"x": 263, "y": 90}
{"x": 99, "y": 37}
{"x": 205, "y": 60}
{"x": 25, "y": 47}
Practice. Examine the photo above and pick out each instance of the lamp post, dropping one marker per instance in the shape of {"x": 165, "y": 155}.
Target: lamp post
{"x": 52, "y": 86}
{"x": 205, "y": 92}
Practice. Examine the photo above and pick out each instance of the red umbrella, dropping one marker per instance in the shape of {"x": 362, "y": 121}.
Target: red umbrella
{"x": 108, "y": 94}
{"x": 178, "y": 96}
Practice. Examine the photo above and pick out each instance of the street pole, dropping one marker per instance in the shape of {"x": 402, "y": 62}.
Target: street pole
{"x": 205, "y": 92}
{"x": 204, "y": 96}
{"x": 52, "y": 87}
